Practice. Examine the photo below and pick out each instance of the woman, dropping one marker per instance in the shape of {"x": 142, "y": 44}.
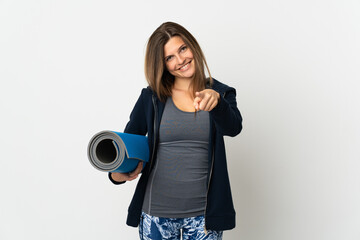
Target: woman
{"x": 184, "y": 189}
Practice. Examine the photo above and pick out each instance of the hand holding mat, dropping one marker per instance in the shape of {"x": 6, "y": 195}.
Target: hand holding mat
{"x": 111, "y": 151}
{"x": 124, "y": 177}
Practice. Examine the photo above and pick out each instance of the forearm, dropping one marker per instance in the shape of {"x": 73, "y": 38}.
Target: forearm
{"x": 226, "y": 115}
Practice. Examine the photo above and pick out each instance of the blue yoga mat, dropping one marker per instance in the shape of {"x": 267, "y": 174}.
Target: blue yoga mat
{"x": 111, "y": 151}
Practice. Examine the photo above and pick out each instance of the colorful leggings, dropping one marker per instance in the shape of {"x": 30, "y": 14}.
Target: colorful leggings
{"x": 192, "y": 228}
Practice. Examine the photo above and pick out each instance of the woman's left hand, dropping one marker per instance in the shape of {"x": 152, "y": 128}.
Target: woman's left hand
{"x": 206, "y": 100}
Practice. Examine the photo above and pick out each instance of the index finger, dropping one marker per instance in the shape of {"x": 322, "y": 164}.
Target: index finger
{"x": 199, "y": 94}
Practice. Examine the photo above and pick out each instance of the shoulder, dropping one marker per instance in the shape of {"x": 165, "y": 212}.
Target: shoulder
{"x": 147, "y": 93}
{"x": 221, "y": 87}
{"x": 147, "y": 97}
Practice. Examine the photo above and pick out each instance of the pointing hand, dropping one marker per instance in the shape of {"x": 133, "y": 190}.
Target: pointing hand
{"x": 206, "y": 100}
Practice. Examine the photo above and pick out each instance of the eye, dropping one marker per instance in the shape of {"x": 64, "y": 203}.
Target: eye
{"x": 168, "y": 58}
{"x": 183, "y": 48}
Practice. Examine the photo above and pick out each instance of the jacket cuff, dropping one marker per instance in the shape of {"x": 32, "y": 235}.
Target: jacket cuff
{"x": 222, "y": 104}
{"x": 113, "y": 181}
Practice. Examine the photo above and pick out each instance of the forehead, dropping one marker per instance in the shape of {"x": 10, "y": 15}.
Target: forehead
{"x": 173, "y": 45}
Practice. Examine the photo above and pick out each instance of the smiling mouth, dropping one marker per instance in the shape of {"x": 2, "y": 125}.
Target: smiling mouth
{"x": 185, "y": 66}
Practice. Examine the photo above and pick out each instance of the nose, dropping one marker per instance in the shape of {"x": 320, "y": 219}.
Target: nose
{"x": 180, "y": 59}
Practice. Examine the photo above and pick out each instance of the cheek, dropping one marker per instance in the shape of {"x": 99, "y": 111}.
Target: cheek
{"x": 193, "y": 63}
{"x": 169, "y": 67}
{"x": 189, "y": 54}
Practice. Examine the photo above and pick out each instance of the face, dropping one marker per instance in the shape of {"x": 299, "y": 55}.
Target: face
{"x": 178, "y": 58}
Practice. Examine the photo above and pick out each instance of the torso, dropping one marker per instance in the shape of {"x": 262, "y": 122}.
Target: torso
{"x": 178, "y": 183}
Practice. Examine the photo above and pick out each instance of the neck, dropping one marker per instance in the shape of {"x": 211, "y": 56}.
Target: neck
{"x": 182, "y": 84}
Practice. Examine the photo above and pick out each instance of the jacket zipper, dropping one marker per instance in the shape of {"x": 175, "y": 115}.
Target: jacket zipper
{"x": 142, "y": 227}
{"x": 208, "y": 186}
{"x": 154, "y": 147}
{"x": 154, "y": 131}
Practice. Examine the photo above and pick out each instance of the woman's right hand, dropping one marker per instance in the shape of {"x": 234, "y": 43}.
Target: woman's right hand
{"x": 121, "y": 177}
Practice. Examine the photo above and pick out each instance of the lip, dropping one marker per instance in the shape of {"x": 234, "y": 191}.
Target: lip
{"x": 184, "y": 65}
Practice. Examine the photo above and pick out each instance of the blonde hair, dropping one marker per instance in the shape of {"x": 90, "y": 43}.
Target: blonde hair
{"x": 157, "y": 76}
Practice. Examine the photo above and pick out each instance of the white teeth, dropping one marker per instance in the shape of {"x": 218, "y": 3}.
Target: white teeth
{"x": 183, "y": 67}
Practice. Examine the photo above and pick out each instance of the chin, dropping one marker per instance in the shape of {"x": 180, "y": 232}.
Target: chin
{"x": 187, "y": 76}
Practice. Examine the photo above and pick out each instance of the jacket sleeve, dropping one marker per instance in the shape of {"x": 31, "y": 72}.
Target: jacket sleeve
{"x": 113, "y": 181}
{"x": 136, "y": 124}
{"x": 226, "y": 115}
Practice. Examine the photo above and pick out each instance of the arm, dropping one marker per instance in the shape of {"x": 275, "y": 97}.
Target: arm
{"x": 120, "y": 178}
{"x": 136, "y": 125}
{"x": 226, "y": 115}
{"x": 223, "y": 109}
{"x": 137, "y": 121}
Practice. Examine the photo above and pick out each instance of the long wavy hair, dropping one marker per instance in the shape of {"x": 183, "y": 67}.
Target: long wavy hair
{"x": 156, "y": 73}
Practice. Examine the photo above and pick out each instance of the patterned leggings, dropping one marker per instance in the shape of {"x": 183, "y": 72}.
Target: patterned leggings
{"x": 158, "y": 228}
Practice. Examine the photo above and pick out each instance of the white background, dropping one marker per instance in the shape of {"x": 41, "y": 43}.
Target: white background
{"x": 72, "y": 68}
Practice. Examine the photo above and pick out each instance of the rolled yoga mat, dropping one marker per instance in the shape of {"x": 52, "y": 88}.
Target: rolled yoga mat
{"x": 111, "y": 151}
